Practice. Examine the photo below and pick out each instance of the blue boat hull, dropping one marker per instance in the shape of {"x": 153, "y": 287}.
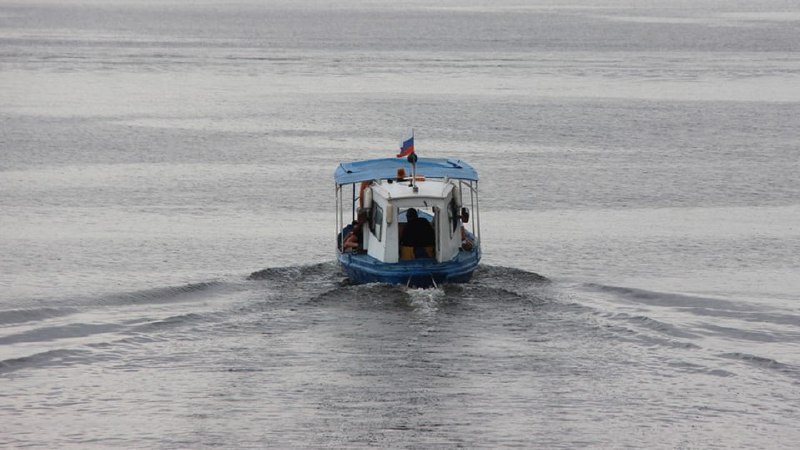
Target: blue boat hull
{"x": 362, "y": 268}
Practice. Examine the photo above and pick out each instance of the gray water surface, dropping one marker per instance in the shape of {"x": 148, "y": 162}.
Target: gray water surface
{"x": 166, "y": 225}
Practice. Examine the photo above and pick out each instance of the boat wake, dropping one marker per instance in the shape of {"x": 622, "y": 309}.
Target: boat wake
{"x": 326, "y": 282}
{"x": 724, "y": 329}
{"x": 497, "y": 300}
{"x": 67, "y": 306}
{"x": 68, "y": 330}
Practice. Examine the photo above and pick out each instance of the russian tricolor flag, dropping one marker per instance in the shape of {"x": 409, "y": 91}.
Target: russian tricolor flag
{"x": 408, "y": 146}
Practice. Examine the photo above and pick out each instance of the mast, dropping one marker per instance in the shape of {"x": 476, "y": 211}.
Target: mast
{"x": 412, "y": 158}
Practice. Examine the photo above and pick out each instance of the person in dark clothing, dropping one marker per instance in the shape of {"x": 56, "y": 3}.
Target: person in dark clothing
{"x": 418, "y": 232}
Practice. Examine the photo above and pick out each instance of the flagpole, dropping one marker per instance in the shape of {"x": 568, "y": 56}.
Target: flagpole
{"x": 412, "y": 158}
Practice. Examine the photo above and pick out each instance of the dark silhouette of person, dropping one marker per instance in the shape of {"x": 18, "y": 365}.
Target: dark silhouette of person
{"x": 418, "y": 232}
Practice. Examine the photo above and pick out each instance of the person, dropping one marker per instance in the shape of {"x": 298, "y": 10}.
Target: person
{"x": 353, "y": 241}
{"x": 466, "y": 241}
{"x": 418, "y": 232}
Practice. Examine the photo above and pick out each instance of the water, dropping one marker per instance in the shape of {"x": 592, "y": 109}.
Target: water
{"x": 640, "y": 280}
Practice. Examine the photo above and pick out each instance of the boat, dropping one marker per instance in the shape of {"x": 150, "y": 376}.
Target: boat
{"x": 407, "y": 220}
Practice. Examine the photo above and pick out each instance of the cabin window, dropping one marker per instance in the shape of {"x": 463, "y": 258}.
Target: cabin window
{"x": 376, "y": 224}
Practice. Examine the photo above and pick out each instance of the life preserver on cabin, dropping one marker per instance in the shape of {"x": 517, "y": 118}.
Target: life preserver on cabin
{"x": 365, "y": 195}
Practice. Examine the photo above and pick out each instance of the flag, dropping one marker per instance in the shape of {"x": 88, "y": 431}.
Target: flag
{"x": 407, "y": 147}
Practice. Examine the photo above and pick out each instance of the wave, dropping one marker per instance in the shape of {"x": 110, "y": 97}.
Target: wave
{"x": 277, "y": 287}
{"x": 501, "y": 274}
{"x": 714, "y": 326}
{"x": 326, "y": 271}
{"x": 763, "y": 362}
{"x": 638, "y": 329}
{"x": 46, "y": 334}
{"x": 658, "y": 326}
{"x": 327, "y": 282}
{"x": 792, "y": 320}
{"x": 18, "y": 316}
{"x": 490, "y": 285}
{"x": 99, "y": 322}
{"x": 47, "y": 358}
{"x": 373, "y": 293}
{"x": 161, "y": 294}
{"x": 727, "y": 318}
{"x": 330, "y": 271}
{"x": 70, "y": 306}
{"x": 654, "y": 298}
{"x": 171, "y": 322}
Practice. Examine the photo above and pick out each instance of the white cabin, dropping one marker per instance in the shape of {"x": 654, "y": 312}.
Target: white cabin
{"x": 437, "y": 201}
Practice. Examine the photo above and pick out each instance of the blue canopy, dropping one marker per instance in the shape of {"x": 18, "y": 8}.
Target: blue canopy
{"x": 384, "y": 168}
